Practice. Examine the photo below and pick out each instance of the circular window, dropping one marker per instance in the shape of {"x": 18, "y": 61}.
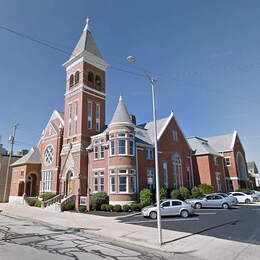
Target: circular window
{"x": 48, "y": 154}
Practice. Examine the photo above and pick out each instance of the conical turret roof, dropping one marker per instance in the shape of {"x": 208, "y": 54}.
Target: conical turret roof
{"x": 121, "y": 115}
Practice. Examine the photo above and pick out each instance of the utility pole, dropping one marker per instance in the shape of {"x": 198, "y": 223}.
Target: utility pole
{"x": 11, "y": 140}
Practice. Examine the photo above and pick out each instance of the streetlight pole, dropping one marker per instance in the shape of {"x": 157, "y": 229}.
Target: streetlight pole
{"x": 157, "y": 178}
{"x": 11, "y": 140}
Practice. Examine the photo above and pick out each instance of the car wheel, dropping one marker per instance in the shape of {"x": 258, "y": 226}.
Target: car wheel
{"x": 198, "y": 206}
{"x": 225, "y": 206}
{"x": 247, "y": 201}
{"x": 153, "y": 215}
{"x": 255, "y": 199}
{"x": 184, "y": 213}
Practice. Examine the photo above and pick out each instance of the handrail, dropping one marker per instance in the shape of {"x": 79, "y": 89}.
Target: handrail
{"x": 55, "y": 199}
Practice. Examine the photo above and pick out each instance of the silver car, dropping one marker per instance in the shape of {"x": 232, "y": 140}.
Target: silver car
{"x": 211, "y": 201}
{"x": 169, "y": 207}
{"x": 233, "y": 199}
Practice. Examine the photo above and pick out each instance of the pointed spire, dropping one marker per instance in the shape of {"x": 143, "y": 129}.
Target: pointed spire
{"x": 121, "y": 115}
{"x": 86, "y": 43}
{"x": 87, "y": 24}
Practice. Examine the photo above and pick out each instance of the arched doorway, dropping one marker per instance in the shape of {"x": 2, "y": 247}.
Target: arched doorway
{"x": 177, "y": 171}
{"x": 69, "y": 184}
{"x": 31, "y": 183}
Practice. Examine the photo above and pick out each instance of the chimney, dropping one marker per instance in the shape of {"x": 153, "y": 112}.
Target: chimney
{"x": 133, "y": 119}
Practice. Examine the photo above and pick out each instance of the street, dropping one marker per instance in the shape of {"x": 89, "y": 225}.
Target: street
{"x": 240, "y": 223}
{"x": 22, "y": 239}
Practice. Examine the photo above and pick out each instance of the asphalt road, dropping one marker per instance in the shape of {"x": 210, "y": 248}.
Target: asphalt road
{"x": 242, "y": 223}
{"x": 23, "y": 239}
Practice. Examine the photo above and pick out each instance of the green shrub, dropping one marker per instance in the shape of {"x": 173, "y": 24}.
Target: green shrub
{"x": 146, "y": 197}
{"x": 195, "y": 192}
{"x": 38, "y": 203}
{"x": 134, "y": 207}
{"x": 163, "y": 193}
{"x": 117, "y": 208}
{"x": 126, "y": 208}
{"x": 82, "y": 208}
{"x": 30, "y": 201}
{"x": 175, "y": 194}
{"x": 185, "y": 193}
{"x": 97, "y": 199}
{"x": 206, "y": 188}
{"x": 109, "y": 207}
{"x": 140, "y": 206}
{"x": 104, "y": 207}
{"x": 69, "y": 206}
{"x": 47, "y": 196}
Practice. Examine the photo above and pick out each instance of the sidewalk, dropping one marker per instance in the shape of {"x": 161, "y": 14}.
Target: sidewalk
{"x": 197, "y": 246}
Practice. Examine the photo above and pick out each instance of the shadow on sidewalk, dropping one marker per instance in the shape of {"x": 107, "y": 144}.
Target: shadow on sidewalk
{"x": 233, "y": 222}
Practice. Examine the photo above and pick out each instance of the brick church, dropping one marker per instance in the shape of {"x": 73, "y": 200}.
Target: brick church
{"x": 78, "y": 154}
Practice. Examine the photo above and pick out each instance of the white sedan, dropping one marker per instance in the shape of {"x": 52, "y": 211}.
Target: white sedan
{"x": 242, "y": 197}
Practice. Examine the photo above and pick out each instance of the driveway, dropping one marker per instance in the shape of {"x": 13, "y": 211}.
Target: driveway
{"x": 240, "y": 223}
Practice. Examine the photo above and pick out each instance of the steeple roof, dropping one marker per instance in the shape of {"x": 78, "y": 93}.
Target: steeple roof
{"x": 86, "y": 43}
{"x": 121, "y": 115}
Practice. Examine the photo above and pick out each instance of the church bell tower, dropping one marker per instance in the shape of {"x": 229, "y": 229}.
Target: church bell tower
{"x": 84, "y": 113}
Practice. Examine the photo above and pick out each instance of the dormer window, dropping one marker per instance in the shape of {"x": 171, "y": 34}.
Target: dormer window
{"x": 77, "y": 77}
{"x": 98, "y": 82}
{"x": 71, "y": 80}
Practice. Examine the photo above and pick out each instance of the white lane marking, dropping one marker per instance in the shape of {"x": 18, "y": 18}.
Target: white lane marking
{"x": 163, "y": 220}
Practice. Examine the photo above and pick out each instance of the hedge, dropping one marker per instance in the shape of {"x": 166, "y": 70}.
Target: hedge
{"x": 97, "y": 199}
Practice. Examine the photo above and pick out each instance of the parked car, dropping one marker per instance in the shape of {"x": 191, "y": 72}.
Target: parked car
{"x": 233, "y": 199}
{"x": 253, "y": 194}
{"x": 170, "y": 207}
{"x": 211, "y": 201}
{"x": 242, "y": 197}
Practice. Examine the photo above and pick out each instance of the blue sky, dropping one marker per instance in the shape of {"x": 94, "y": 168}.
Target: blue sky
{"x": 205, "y": 55}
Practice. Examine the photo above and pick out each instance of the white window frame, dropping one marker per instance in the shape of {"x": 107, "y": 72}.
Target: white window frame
{"x": 75, "y": 117}
{"x": 118, "y": 146}
{"x": 110, "y": 147}
{"x": 175, "y": 136}
{"x": 165, "y": 174}
{"x": 69, "y": 119}
{"x": 46, "y": 181}
{"x": 99, "y": 176}
{"x": 90, "y": 111}
{"x": 49, "y": 154}
{"x": 98, "y": 111}
{"x": 149, "y": 154}
{"x": 229, "y": 159}
{"x": 150, "y": 174}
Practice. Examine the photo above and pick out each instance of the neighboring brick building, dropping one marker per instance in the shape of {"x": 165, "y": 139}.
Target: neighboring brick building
{"x": 230, "y": 165}
{"x": 4, "y": 157}
{"x": 208, "y": 164}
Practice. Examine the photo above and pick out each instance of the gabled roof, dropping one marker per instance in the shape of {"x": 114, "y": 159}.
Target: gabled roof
{"x": 161, "y": 126}
{"x": 252, "y": 166}
{"x": 121, "y": 115}
{"x": 222, "y": 143}
{"x": 32, "y": 157}
{"x": 86, "y": 43}
{"x": 201, "y": 146}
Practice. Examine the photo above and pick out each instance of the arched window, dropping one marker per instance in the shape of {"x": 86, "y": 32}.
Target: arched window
{"x": 77, "y": 77}
{"x": 98, "y": 82}
{"x": 241, "y": 166}
{"x": 71, "y": 80}
{"x": 177, "y": 171}
{"x": 90, "y": 78}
